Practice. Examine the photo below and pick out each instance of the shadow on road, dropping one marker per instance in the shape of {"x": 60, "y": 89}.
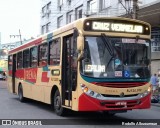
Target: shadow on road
{"x": 79, "y": 118}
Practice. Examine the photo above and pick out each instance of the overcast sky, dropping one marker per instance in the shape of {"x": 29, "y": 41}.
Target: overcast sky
{"x": 19, "y": 14}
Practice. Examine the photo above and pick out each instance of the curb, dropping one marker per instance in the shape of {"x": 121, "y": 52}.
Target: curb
{"x": 155, "y": 104}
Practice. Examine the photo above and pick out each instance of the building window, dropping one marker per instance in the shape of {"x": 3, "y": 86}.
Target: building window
{"x": 69, "y": 2}
{"x": 105, "y": 4}
{"x": 44, "y": 11}
{"x": 48, "y": 12}
{"x": 79, "y": 12}
{"x": 43, "y": 29}
{"x": 155, "y": 42}
{"x": 70, "y": 17}
{"x": 48, "y": 27}
{"x": 92, "y": 6}
{"x": 60, "y": 3}
{"x": 59, "y": 21}
{"x": 55, "y": 50}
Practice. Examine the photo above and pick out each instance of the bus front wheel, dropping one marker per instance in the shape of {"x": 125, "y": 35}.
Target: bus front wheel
{"x": 20, "y": 93}
{"x": 58, "y": 104}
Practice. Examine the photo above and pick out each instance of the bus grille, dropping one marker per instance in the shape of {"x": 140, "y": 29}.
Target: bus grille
{"x": 120, "y": 85}
{"x": 106, "y": 95}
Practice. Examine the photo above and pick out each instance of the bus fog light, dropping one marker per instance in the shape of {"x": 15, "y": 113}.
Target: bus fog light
{"x": 98, "y": 96}
{"x": 141, "y": 95}
{"x": 145, "y": 93}
{"x": 91, "y": 93}
{"x": 82, "y": 85}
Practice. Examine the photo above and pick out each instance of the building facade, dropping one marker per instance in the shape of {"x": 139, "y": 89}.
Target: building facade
{"x": 56, "y": 13}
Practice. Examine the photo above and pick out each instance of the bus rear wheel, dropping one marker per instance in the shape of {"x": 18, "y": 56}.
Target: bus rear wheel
{"x": 58, "y": 104}
{"x": 20, "y": 93}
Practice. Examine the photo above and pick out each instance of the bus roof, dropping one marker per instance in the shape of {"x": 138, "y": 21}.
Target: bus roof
{"x": 67, "y": 27}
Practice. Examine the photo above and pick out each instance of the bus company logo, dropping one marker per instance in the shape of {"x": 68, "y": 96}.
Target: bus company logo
{"x": 30, "y": 74}
{"x": 121, "y": 94}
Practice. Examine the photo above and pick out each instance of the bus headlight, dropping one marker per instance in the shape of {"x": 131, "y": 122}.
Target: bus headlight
{"x": 149, "y": 89}
{"x": 144, "y": 94}
{"x": 90, "y": 92}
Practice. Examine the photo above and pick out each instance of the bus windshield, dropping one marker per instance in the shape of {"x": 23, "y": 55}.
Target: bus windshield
{"x": 107, "y": 57}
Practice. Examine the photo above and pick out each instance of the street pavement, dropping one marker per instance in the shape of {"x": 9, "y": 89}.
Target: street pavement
{"x": 11, "y": 108}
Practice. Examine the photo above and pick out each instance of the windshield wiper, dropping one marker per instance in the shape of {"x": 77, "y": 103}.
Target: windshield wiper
{"x": 108, "y": 44}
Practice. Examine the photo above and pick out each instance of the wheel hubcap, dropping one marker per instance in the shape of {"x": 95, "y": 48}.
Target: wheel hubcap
{"x": 57, "y": 102}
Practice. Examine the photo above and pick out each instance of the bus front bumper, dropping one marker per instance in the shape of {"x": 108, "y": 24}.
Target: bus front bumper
{"x": 87, "y": 103}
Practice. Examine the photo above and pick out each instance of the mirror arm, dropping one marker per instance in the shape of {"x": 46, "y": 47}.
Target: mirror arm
{"x": 80, "y": 55}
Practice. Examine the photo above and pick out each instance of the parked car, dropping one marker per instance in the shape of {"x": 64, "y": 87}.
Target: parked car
{"x": 1, "y": 77}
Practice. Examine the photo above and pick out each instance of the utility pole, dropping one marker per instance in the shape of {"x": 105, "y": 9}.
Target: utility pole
{"x": 18, "y": 36}
{"x": 135, "y": 9}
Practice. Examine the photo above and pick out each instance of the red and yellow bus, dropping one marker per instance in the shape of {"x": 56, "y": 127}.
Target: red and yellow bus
{"x": 92, "y": 64}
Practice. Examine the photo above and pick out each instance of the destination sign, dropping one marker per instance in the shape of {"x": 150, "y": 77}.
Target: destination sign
{"x": 106, "y": 26}
{"x": 120, "y": 26}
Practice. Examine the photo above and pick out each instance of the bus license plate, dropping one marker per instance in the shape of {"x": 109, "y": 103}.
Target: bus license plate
{"x": 121, "y": 103}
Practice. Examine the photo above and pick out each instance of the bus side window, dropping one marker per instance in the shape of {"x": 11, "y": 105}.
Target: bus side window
{"x": 19, "y": 60}
{"x": 33, "y": 53}
{"x": 26, "y": 60}
{"x": 10, "y": 62}
{"x": 43, "y": 53}
{"x": 54, "y": 52}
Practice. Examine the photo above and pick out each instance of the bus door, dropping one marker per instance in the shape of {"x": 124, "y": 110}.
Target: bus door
{"x": 69, "y": 69}
{"x": 13, "y": 73}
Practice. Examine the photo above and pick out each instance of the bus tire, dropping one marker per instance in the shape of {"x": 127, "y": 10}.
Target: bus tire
{"x": 60, "y": 111}
{"x": 20, "y": 93}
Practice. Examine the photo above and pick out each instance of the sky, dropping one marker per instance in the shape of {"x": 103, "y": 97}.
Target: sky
{"x": 15, "y": 15}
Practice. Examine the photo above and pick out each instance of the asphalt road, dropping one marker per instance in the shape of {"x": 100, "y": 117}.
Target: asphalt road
{"x": 12, "y": 109}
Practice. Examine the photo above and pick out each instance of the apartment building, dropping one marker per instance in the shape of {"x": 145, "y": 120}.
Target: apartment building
{"x": 56, "y": 13}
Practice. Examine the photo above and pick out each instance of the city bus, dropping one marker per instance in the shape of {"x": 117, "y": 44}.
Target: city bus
{"x": 92, "y": 64}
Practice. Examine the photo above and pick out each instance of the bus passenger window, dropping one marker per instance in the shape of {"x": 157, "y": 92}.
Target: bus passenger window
{"x": 55, "y": 48}
{"x": 33, "y": 53}
{"x": 43, "y": 53}
{"x": 19, "y": 60}
{"x": 26, "y": 60}
{"x": 10, "y": 62}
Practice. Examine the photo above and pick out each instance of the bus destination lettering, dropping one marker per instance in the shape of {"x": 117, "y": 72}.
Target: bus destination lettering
{"x": 119, "y": 27}
{"x": 94, "y": 68}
